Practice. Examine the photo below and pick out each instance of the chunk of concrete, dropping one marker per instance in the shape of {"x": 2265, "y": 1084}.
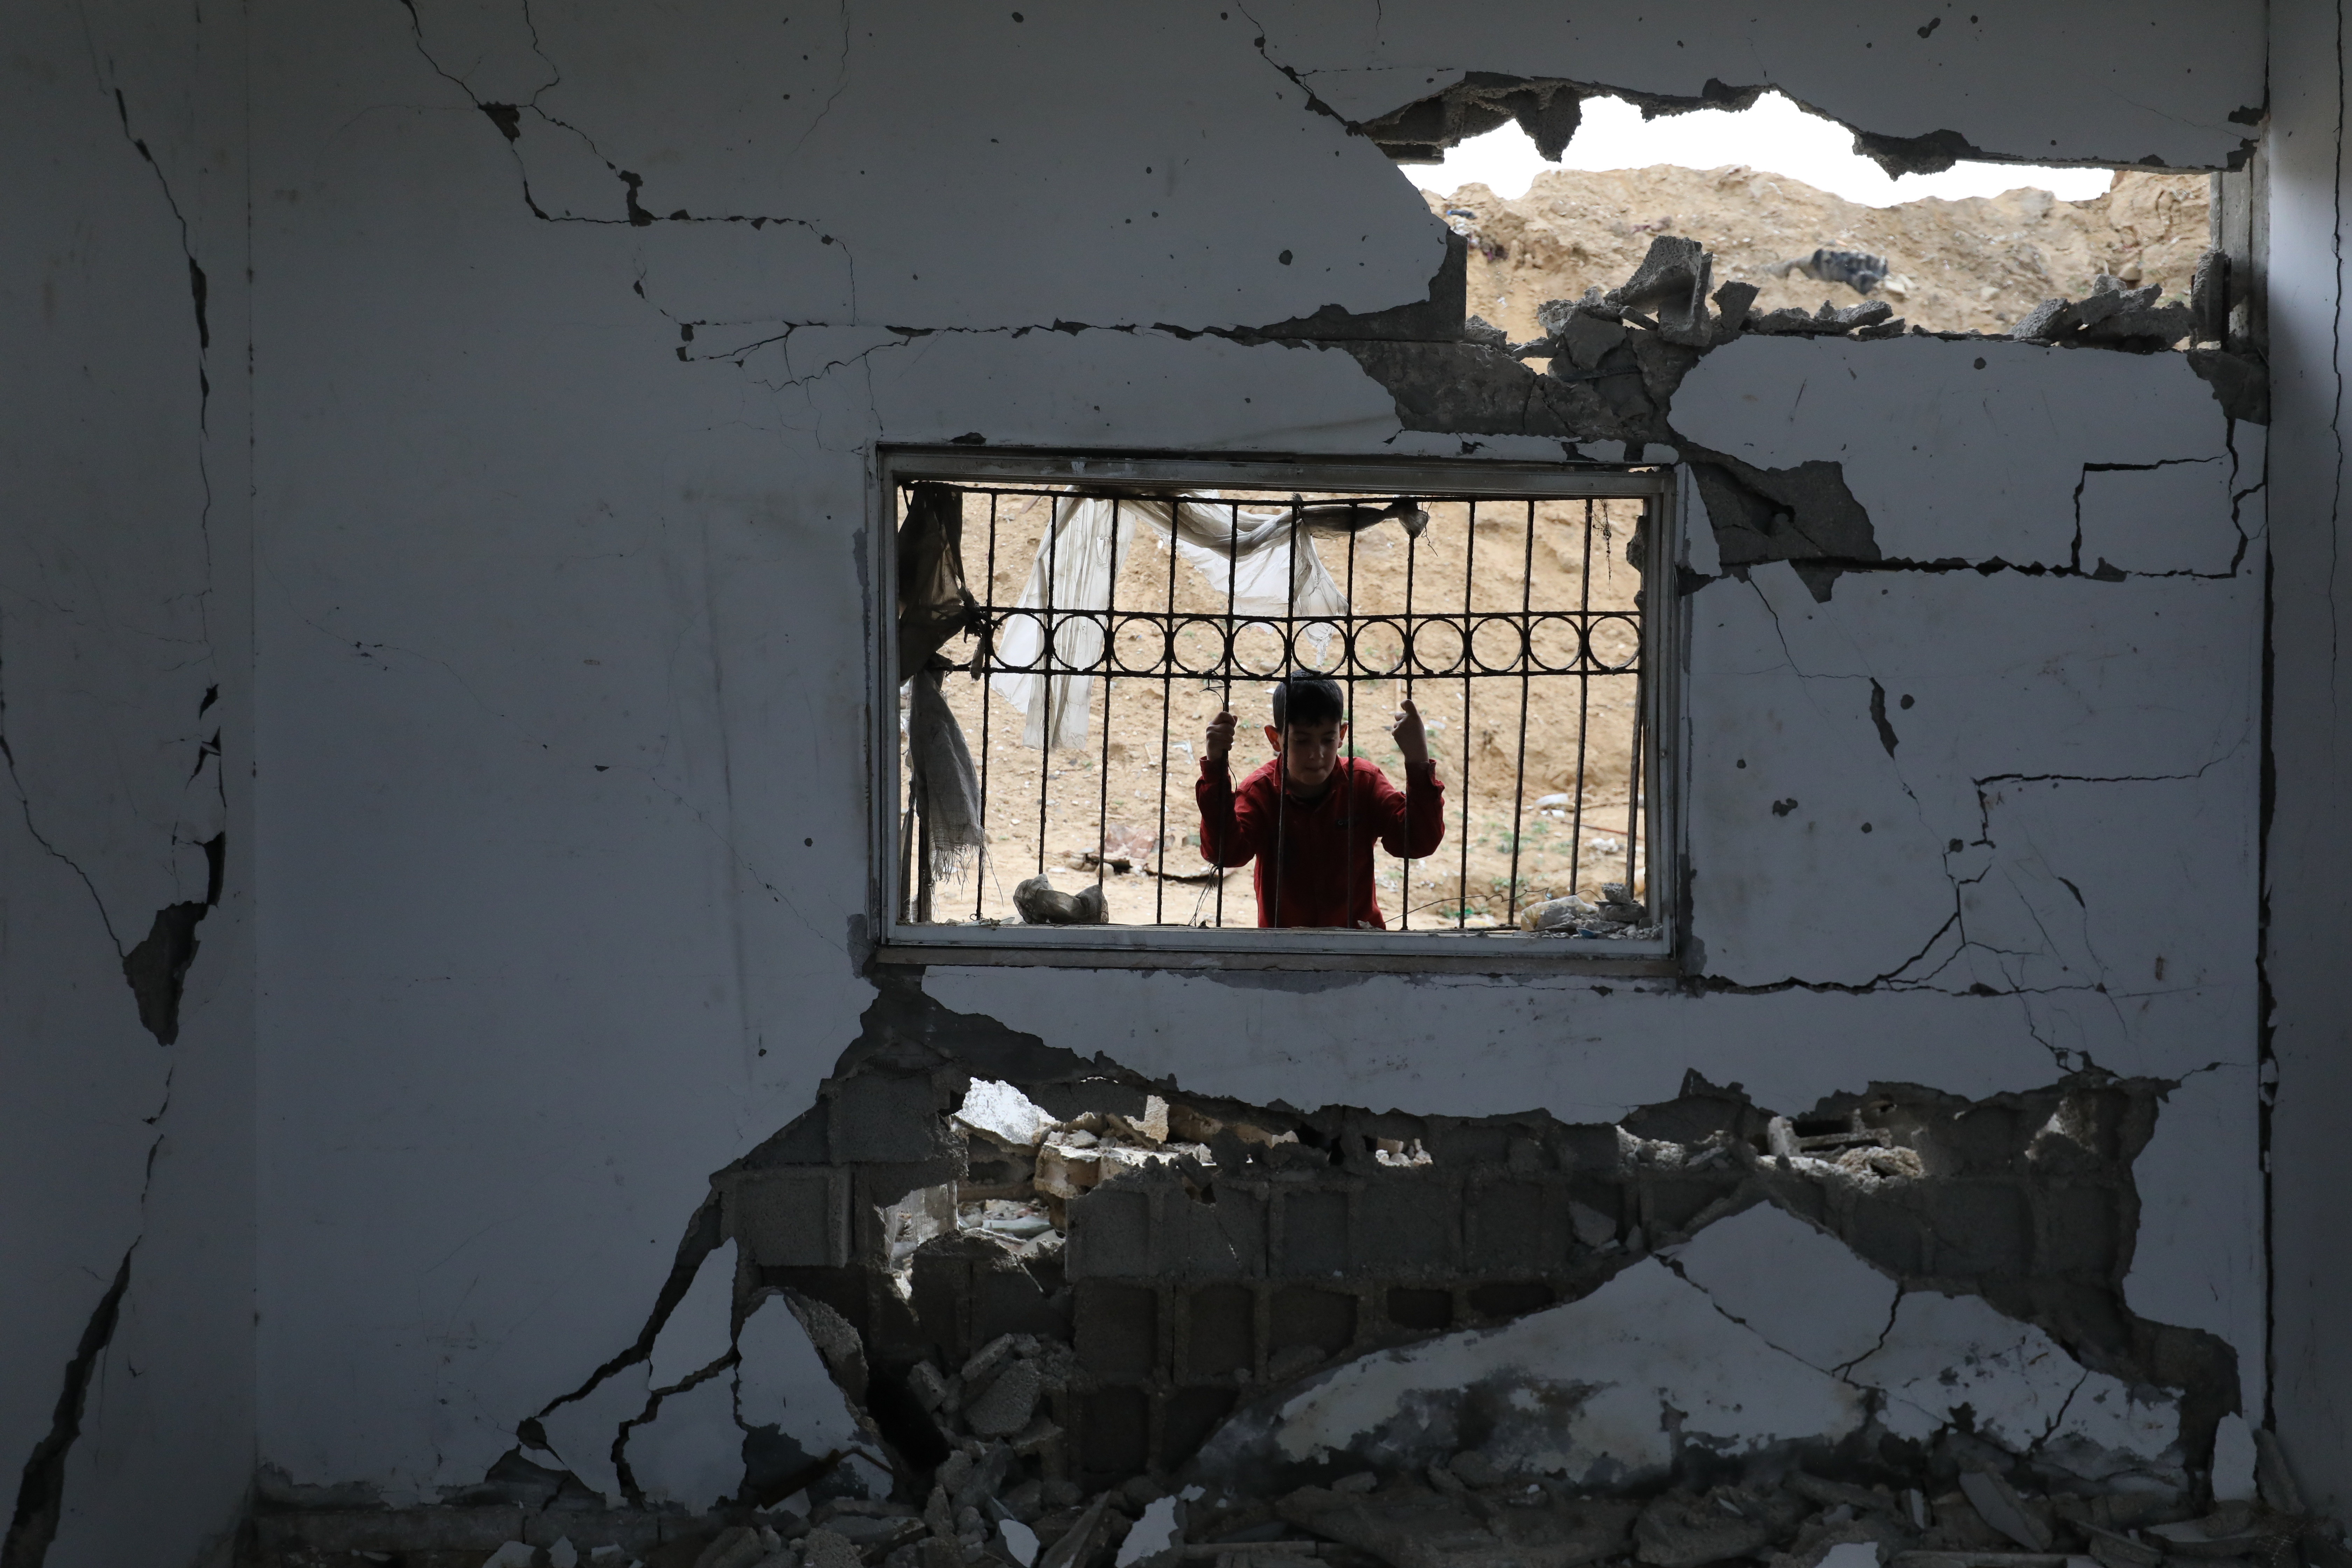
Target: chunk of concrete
{"x": 2233, "y": 1460}
{"x": 1406, "y": 1527}
{"x": 1004, "y": 1113}
{"x": 1008, "y": 1403}
{"x": 1999, "y": 1506}
{"x": 827, "y": 1548}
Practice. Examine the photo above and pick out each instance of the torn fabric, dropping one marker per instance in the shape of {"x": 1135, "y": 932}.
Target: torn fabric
{"x": 1265, "y": 560}
{"x": 934, "y": 605}
{"x": 938, "y": 766}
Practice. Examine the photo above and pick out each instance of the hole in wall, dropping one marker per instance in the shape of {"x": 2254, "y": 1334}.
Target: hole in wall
{"x": 1787, "y": 200}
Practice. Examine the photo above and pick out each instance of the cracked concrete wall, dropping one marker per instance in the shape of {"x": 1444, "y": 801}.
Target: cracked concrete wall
{"x": 574, "y": 330}
{"x": 2306, "y": 1068}
{"x": 126, "y": 959}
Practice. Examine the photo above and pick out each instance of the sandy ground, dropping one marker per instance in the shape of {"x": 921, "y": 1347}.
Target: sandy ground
{"x": 1147, "y": 811}
{"x": 1966, "y": 265}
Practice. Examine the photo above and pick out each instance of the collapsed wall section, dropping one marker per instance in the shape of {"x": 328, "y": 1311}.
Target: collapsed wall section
{"x": 1099, "y": 1272}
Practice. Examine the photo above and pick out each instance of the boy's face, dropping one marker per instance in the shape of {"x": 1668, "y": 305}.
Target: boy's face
{"x": 1311, "y": 750}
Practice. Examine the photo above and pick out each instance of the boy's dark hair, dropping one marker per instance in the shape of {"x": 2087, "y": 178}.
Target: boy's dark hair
{"x": 1300, "y": 697}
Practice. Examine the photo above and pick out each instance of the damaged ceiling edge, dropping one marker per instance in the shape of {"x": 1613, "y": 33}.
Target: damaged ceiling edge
{"x": 876, "y": 1211}
{"x": 1549, "y": 108}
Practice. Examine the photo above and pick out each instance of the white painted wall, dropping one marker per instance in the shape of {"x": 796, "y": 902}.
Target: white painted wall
{"x": 125, "y": 598}
{"x": 557, "y": 623}
{"x": 2309, "y": 860}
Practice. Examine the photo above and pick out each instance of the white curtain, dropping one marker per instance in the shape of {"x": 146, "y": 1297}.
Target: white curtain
{"x": 1080, "y": 558}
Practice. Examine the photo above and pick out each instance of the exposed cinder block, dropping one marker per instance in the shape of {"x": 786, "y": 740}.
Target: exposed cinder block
{"x": 791, "y": 1217}
{"x": 941, "y": 1293}
{"x": 1118, "y": 1330}
{"x": 1222, "y": 1237}
{"x": 1409, "y": 1222}
{"x": 883, "y": 1119}
{"x": 1006, "y": 1299}
{"x": 1981, "y": 1227}
{"x": 1671, "y": 1203}
{"x": 1422, "y": 1311}
{"x": 1302, "y": 1315}
{"x": 1111, "y": 1234}
{"x": 1517, "y": 1227}
{"x": 2081, "y": 1229}
{"x": 1510, "y": 1298}
{"x": 1187, "y": 1418}
{"x": 804, "y": 1142}
{"x": 1468, "y": 1143}
{"x": 1888, "y": 1234}
{"x": 1220, "y": 1333}
{"x": 1115, "y": 1432}
{"x": 1984, "y": 1139}
{"x": 1314, "y": 1231}
{"x": 1588, "y": 1147}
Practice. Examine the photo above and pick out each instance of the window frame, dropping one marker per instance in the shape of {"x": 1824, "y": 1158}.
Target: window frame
{"x": 1663, "y": 646}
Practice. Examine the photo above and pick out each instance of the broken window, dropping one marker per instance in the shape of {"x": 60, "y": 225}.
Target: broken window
{"x": 1068, "y": 629}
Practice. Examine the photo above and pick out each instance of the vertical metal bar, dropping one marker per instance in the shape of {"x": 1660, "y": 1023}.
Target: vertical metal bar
{"x": 923, "y": 879}
{"x": 1404, "y": 669}
{"x": 1348, "y": 670}
{"x": 1527, "y": 660}
{"x": 1110, "y": 621}
{"x": 907, "y": 860}
{"x": 1282, "y": 746}
{"x": 1640, "y": 683}
{"x": 1045, "y": 663}
{"x": 1167, "y": 701}
{"x": 1469, "y": 575}
{"x": 987, "y": 609}
{"x": 1583, "y": 704}
{"x": 1232, "y": 567}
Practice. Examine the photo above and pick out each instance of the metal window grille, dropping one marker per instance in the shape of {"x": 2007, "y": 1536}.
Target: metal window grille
{"x": 1516, "y": 622}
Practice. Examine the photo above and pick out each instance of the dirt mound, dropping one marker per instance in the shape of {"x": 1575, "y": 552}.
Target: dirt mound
{"x": 1975, "y": 264}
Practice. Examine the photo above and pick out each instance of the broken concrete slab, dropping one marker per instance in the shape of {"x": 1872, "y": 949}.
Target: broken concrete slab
{"x": 1576, "y": 1391}
{"x": 1944, "y": 1351}
{"x": 1801, "y": 1290}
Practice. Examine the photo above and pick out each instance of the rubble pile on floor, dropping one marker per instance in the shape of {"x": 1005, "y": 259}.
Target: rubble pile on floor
{"x": 1963, "y": 1512}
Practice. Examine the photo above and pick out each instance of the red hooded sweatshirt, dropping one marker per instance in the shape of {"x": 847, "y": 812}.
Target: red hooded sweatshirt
{"x": 1321, "y": 849}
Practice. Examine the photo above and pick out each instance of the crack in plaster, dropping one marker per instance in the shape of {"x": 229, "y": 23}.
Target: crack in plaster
{"x": 1896, "y": 978}
{"x": 40, "y": 1495}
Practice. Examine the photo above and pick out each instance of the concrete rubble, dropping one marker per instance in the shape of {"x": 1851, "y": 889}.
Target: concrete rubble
{"x": 1957, "y": 1504}
{"x": 992, "y": 1461}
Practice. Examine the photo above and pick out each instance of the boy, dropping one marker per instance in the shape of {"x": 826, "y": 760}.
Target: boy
{"x": 1316, "y": 826}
